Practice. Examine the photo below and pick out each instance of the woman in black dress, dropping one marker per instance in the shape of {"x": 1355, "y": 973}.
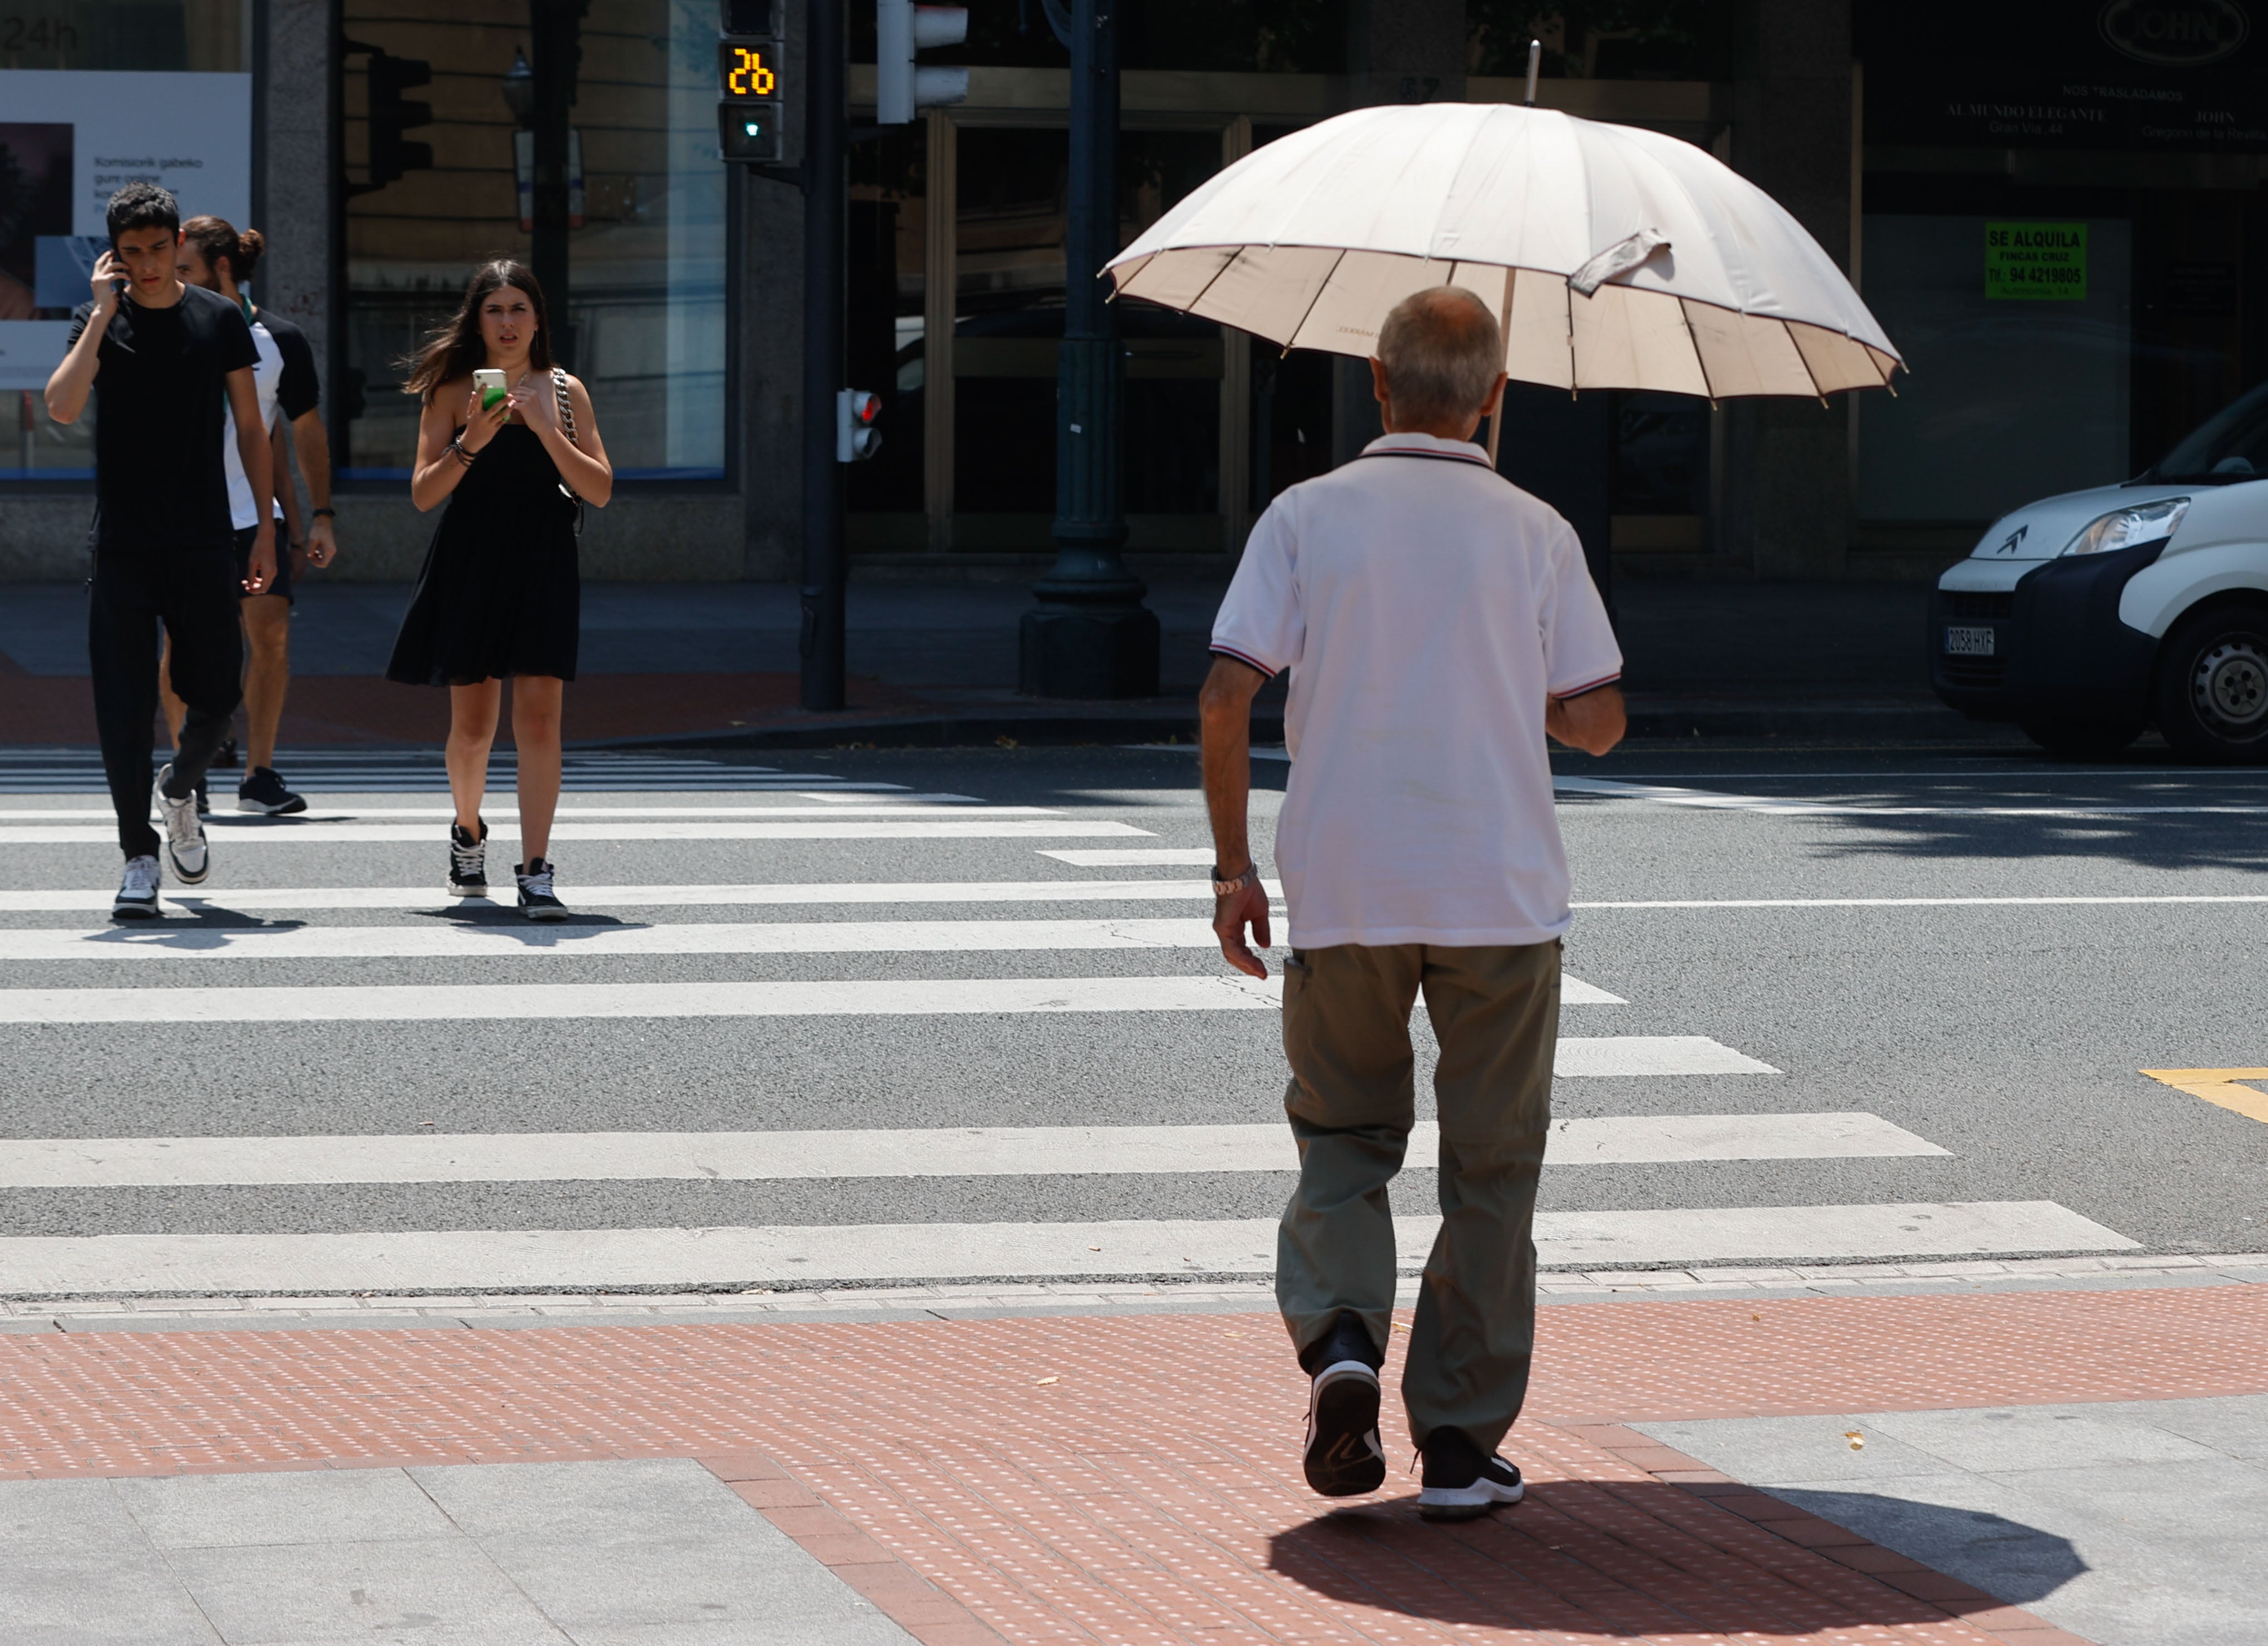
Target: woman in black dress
{"x": 499, "y": 598}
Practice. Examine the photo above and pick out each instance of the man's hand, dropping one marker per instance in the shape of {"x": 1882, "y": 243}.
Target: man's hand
{"x": 1246, "y": 906}
{"x": 103, "y": 284}
{"x": 262, "y": 573}
{"x": 322, "y": 544}
{"x": 1593, "y": 722}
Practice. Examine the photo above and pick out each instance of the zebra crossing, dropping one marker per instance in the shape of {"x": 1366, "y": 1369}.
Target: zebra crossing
{"x": 62, "y": 771}
{"x": 974, "y": 1008}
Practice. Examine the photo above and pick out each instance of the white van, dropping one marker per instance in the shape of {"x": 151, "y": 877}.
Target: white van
{"x": 2086, "y": 617}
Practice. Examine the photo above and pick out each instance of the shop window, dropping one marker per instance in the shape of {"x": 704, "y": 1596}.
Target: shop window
{"x": 1234, "y": 36}
{"x": 1602, "y": 39}
{"x": 642, "y": 320}
{"x": 2011, "y": 398}
{"x": 59, "y": 103}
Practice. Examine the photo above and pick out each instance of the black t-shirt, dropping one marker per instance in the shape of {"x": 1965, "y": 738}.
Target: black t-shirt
{"x": 298, "y": 391}
{"x": 161, "y": 413}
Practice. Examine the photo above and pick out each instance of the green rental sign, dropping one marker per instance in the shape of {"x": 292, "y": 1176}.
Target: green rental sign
{"x": 2035, "y": 259}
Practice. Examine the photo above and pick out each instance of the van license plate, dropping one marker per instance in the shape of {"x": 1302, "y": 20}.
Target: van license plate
{"x": 1969, "y": 642}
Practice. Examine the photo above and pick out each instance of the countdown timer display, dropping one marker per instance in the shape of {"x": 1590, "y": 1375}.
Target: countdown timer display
{"x": 746, "y": 69}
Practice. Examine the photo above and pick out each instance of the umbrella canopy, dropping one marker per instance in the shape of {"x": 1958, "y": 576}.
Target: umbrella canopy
{"x": 1614, "y": 257}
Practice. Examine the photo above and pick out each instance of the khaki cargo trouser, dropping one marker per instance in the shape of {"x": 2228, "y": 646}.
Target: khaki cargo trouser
{"x": 1352, "y": 1102}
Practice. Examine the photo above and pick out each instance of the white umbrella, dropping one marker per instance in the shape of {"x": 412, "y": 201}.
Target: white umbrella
{"x": 1614, "y": 257}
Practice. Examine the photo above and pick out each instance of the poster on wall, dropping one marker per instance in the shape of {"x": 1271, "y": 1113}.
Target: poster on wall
{"x": 69, "y": 139}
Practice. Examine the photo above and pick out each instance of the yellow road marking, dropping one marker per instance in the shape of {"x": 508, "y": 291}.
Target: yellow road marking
{"x": 2219, "y": 1086}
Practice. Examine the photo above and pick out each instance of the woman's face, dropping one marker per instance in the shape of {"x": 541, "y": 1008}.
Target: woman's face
{"x": 507, "y": 322}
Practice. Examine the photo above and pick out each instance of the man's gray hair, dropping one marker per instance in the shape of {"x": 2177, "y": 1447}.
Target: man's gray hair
{"x": 1442, "y": 351}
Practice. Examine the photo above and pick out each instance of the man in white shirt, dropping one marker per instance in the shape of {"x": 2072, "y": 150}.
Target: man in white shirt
{"x": 1437, "y": 623}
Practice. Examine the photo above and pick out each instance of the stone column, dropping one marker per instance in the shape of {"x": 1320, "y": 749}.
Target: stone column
{"x": 295, "y": 274}
{"x": 1785, "y": 504}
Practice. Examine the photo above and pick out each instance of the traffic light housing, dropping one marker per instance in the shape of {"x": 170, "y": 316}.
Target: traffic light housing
{"x": 856, "y": 437}
{"x": 391, "y": 113}
{"x": 752, "y": 81}
{"x": 903, "y": 86}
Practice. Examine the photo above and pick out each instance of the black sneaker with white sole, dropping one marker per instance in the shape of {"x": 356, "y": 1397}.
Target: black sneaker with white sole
{"x": 138, "y": 891}
{"x": 1343, "y": 1457}
{"x": 262, "y": 791}
{"x": 184, "y": 836}
{"x": 1460, "y": 1484}
{"x": 468, "y": 860}
{"x": 537, "y": 899}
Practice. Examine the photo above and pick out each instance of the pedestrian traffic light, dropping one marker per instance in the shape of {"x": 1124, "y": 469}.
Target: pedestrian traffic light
{"x": 751, "y": 83}
{"x": 856, "y": 437}
{"x": 901, "y": 85}
{"x": 391, "y": 154}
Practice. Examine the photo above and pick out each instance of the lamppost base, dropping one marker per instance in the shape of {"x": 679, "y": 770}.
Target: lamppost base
{"x": 1089, "y": 651}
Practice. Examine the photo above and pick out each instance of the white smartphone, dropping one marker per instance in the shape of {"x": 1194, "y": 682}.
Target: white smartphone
{"x": 491, "y": 383}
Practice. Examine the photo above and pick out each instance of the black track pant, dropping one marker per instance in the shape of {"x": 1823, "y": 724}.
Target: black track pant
{"x": 192, "y": 592}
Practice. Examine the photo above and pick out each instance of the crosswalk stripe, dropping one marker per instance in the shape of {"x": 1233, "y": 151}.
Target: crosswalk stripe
{"x": 422, "y": 1002}
{"x": 953, "y": 828}
{"x": 72, "y": 900}
{"x": 1709, "y": 800}
{"x": 1621, "y": 1055}
{"x": 471, "y": 1260}
{"x": 1135, "y": 857}
{"x": 519, "y": 938}
{"x": 953, "y": 1151}
{"x": 832, "y": 806}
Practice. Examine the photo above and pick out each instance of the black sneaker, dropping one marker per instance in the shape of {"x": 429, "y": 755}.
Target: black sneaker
{"x": 137, "y": 892}
{"x": 262, "y": 791}
{"x": 1343, "y": 1457}
{"x": 468, "y": 861}
{"x": 204, "y": 798}
{"x": 537, "y": 900}
{"x": 1459, "y": 1483}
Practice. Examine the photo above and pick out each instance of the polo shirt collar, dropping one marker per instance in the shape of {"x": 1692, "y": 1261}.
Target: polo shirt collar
{"x": 1428, "y": 445}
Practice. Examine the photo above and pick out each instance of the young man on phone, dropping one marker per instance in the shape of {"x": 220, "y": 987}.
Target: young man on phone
{"x": 173, "y": 363}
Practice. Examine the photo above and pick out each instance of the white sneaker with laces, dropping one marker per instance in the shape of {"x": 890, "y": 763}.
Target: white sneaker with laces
{"x": 137, "y": 892}
{"x": 184, "y": 836}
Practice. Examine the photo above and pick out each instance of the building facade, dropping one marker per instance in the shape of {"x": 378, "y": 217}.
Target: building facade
{"x": 1912, "y": 140}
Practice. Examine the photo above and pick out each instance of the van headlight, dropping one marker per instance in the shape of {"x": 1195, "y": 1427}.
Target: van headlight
{"x": 2126, "y": 528}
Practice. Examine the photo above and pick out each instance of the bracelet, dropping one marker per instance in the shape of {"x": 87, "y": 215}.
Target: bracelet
{"x": 461, "y": 453}
{"x": 326, "y": 514}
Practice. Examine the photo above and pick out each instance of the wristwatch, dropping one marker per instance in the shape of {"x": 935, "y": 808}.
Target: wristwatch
{"x": 1230, "y": 888}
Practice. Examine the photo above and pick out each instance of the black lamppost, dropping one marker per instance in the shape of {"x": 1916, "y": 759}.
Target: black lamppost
{"x": 548, "y": 91}
{"x": 1090, "y": 636}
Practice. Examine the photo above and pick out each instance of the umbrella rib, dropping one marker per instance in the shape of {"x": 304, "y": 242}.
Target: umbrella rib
{"x": 1805, "y": 359}
{"x": 1320, "y": 289}
{"x": 1698, "y": 359}
{"x": 1226, "y": 263}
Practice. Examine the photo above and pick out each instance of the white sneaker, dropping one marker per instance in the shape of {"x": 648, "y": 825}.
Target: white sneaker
{"x": 137, "y": 892}
{"x": 184, "y": 836}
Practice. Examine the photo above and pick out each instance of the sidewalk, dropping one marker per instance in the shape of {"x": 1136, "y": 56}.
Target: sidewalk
{"x": 1123, "y": 1478}
{"x": 937, "y": 663}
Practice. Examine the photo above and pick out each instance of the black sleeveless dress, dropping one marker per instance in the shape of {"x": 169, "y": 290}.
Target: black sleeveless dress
{"x": 500, "y": 595}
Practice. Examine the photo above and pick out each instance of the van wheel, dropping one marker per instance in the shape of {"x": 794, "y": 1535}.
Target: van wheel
{"x": 2211, "y": 695}
{"x": 2082, "y": 740}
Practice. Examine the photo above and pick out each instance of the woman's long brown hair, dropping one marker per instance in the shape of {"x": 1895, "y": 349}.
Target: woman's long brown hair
{"x": 454, "y": 347}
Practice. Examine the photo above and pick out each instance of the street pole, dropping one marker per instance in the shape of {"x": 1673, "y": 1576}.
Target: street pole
{"x": 824, "y": 184}
{"x": 1090, "y": 636}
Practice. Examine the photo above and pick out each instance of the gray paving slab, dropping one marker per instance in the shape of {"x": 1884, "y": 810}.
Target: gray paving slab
{"x": 2130, "y": 1523}
{"x": 646, "y": 1552}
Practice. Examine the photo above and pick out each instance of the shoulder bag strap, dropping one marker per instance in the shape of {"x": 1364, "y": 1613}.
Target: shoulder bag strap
{"x": 567, "y": 423}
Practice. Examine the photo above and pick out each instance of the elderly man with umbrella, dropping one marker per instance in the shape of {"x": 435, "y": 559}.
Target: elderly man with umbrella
{"x": 1438, "y": 625}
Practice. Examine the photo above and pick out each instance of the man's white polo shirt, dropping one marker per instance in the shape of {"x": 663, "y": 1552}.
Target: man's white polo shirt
{"x": 1425, "y": 607}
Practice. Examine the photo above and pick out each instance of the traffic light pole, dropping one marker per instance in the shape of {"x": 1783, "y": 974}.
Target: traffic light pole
{"x": 554, "y": 30}
{"x": 824, "y": 186}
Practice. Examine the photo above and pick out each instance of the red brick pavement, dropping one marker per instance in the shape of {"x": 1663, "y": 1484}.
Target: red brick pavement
{"x": 1135, "y": 1479}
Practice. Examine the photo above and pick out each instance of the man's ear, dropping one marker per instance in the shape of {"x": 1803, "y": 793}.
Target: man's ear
{"x": 1378, "y": 379}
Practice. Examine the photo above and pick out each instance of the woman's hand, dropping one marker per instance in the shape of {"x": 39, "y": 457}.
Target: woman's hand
{"x": 536, "y": 402}
{"x": 480, "y": 426}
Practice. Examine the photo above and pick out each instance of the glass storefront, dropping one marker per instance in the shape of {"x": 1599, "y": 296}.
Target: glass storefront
{"x": 644, "y": 318}
{"x": 94, "y": 95}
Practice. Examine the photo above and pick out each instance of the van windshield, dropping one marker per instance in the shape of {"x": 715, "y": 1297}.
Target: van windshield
{"x": 2230, "y": 445}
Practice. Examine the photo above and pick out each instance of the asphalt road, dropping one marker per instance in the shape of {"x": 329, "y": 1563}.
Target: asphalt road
{"x": 2011, "y": 1037}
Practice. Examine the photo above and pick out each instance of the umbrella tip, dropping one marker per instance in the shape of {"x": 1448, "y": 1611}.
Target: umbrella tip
{"x": 1535, "y": 63}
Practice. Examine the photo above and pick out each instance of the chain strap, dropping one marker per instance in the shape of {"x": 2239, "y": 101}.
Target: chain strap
{"x": 567, "y": 423}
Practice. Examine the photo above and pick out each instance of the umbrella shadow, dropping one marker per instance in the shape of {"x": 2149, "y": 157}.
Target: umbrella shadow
{"x": 1645, "y": 1558}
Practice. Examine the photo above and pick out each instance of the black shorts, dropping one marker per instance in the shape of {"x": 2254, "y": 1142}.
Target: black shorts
{"x": 281, "y": 583}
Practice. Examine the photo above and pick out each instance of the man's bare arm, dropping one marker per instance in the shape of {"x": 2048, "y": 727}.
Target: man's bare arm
{"x": 252, "y": 450}
{"x": 1225, "y": 723}
{"x": 1593, "y": 722}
